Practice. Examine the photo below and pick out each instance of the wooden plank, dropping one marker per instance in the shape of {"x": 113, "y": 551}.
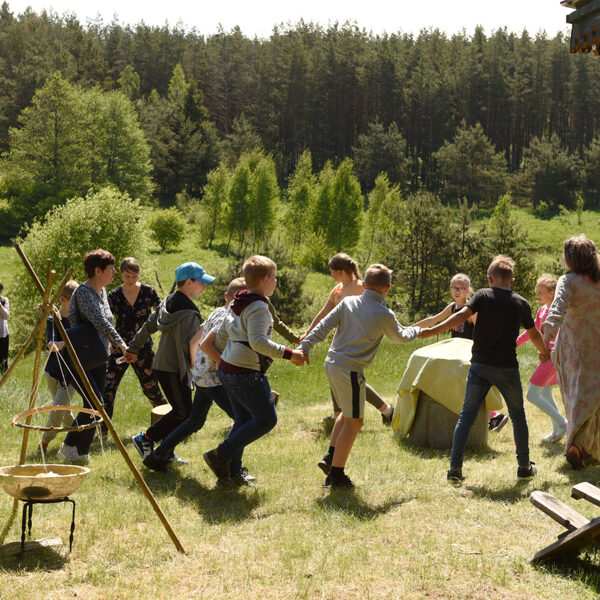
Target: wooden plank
{"x": 570, "y": 545}
{"x": 15, "y": 547}
{"x": 587, "y": 491}
{"x": 557, "y": 510}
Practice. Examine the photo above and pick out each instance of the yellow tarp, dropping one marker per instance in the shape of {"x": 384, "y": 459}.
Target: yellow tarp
{"x": 440, "y": 371}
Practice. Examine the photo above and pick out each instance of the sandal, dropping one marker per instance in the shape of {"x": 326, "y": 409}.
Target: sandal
{"x": 574, "y": 456}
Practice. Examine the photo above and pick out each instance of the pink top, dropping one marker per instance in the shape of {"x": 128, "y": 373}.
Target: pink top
{"x": 540, "y": 317}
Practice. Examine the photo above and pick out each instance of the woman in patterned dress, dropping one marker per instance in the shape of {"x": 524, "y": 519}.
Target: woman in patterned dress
{"x": 576, "y": 311}
{"x": 132, "y": 304}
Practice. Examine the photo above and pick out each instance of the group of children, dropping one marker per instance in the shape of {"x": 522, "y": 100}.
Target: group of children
{"x": 227, "y": 357}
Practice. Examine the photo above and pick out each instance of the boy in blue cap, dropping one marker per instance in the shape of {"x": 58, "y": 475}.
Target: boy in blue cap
{"x": 178, "y": 319}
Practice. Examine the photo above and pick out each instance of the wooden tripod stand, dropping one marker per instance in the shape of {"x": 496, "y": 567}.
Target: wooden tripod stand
{"x": 48, "y": 307}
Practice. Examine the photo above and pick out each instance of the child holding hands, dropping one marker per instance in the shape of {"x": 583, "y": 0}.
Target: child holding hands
{"x": 500, "y": 314}
{"x": 544, "y": 377}
{"x": 361, "y": 323}
{"x": 245, "y": 335}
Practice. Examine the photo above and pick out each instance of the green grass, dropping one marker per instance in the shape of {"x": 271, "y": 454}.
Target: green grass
{"x": 405, "y": 533}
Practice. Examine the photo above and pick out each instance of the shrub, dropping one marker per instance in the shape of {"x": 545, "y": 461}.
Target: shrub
{"x": 541, "y": 210}
{"x": 167, "y": 227}
{"x": 289, "y": 299}
{"x": 189, "y": 207}
{"x": 314, "y": 252}
{"x": 106, "y": 219}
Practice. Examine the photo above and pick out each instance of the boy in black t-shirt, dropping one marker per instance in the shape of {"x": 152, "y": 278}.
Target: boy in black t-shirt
{"x": 500, "y": 314}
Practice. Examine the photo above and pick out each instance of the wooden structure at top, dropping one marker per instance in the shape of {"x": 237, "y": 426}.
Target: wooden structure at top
{"x": 585, "y": 25}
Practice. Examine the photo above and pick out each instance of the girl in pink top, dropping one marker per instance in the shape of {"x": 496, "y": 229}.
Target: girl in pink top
{"x": 544, "y": 377}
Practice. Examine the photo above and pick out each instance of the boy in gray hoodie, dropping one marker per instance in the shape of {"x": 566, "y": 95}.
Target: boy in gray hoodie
{"x": 178, "y": 319}
{"x": 361, "y": 323}
{"x": 245, "y": 335}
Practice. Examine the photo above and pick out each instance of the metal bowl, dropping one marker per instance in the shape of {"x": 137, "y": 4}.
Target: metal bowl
{"x": 28, "y": 482}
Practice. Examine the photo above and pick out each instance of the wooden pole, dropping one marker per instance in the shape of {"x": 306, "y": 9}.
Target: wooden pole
{"x": 100, "y": 408}
{"x": 36, "y": 366}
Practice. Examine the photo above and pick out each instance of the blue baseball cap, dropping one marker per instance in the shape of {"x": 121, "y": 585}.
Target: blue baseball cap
{"x": 192, "y": 270}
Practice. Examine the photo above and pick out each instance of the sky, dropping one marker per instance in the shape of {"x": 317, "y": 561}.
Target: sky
{"x": 258, "y": 17}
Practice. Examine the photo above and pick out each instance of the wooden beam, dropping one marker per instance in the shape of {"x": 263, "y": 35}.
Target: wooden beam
{"x": 587, "y": 491}
{"x": 558, "y": 511}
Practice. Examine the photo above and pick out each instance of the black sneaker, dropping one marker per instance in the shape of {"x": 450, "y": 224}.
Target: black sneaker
{"x": 455, "y": 476}
{"x": 497, "y": 422}
{"x": 238, "y": 480}
{"x": 218, "y": 466}
{"x": 173, "y": 458}
{"x": 154, "y": 462}
{"x": 325, "y": 463}
{"x": 526, "y": 472}
{"x": 247, "y": 475}
{"x": 342, "y": 482}
{"x": 327, "y": 481}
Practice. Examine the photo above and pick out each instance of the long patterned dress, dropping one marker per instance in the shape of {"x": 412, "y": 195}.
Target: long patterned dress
{"x": 576, "y": 311}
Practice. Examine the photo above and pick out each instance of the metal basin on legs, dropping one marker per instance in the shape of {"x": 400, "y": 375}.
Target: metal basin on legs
{"x": 41, "y": 482}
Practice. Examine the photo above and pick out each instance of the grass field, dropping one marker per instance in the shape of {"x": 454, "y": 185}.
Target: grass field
{"x": 404, "y": 533}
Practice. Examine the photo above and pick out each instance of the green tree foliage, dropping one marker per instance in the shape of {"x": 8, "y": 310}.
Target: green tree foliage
{"x": 504, "y": 235}
{"x": 50, "y": 146}
{"x": 264, "y": 200}
{"x": 343, "y": 225}
{"x": 214, "y": 202}
{"x": 381, "y": 150}
{"x": 239, "y": 202}
{"x": 129, "y": 82}
{"x": 69, "y": 141}
{"x": 253, "y": 199}
{"x": 417, "y": 240}
{"x": 119, "y": 153}
{"x": 552, "y": 173}
{"x": 301, "y": 194}
{"x": 471, "y": 168}
{"x": 320, "y": 212}
{"x": 184, "y": 144}
{"x": 167, "y": 228}
{"x": 382, "y": 194}
{"x": 104, "y": 219}
{"x": 309, "y": 86}
{"x": 243, "y": 138}
{"x": 591, "y": 165}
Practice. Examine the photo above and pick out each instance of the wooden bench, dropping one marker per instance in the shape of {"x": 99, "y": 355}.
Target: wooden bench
{"x": 580, "y": 531}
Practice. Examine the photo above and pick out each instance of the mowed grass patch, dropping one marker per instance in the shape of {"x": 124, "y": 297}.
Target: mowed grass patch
{"x": 404, "y": 533}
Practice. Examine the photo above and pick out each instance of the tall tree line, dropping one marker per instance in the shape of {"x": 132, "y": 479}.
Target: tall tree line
{"x": 317, "y": 88}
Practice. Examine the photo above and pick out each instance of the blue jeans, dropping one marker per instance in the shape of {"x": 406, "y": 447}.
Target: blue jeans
{"x": 203, "y": 399}
{"x": 479, "y": 381}
{"x": 254, "y": 413}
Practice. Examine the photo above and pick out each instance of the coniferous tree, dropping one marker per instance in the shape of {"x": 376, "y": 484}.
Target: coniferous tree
{"x": 470, "y": 167}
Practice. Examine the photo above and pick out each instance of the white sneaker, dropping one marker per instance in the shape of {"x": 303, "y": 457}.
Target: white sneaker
{"x": 69, "y": 452}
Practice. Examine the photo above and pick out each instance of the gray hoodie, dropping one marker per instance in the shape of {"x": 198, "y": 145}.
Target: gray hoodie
{"x": 361, "y": 323}
{"x": 177, "y": 329}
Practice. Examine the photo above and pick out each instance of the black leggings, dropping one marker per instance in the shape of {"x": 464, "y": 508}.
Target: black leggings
{"x": 83, "y": 439}
{"x": 178, "y": 394}
{"x": 4, "y": 353}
